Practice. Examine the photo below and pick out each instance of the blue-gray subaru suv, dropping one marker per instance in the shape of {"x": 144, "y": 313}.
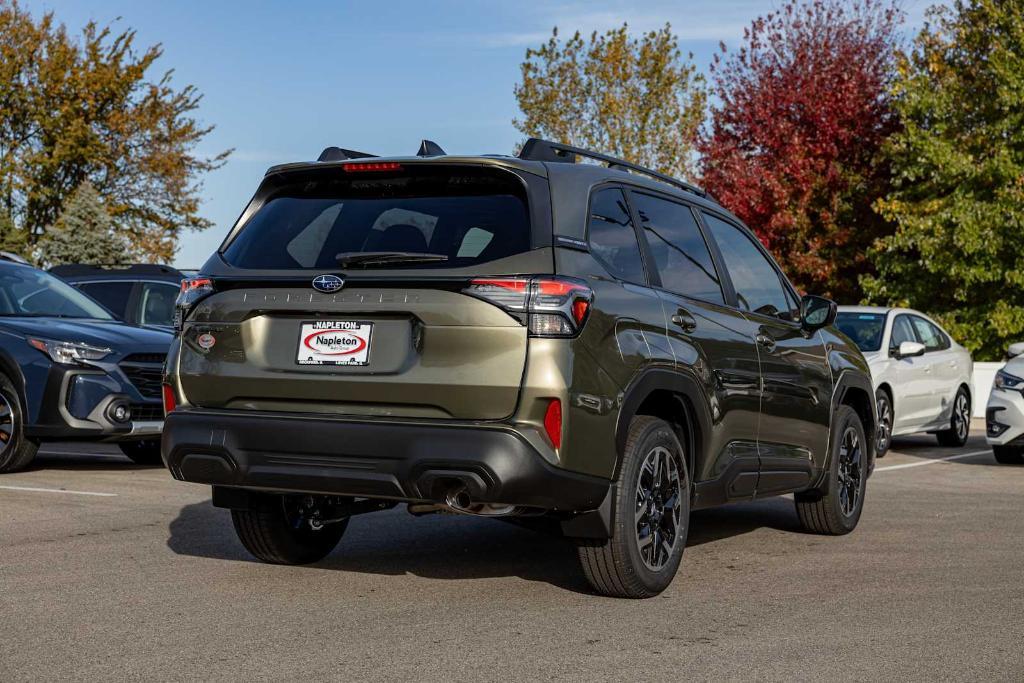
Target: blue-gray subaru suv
{"x": 69, "y": 370}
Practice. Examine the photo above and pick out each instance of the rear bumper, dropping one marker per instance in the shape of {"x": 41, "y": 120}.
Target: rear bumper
{"x": 411, "y": 461}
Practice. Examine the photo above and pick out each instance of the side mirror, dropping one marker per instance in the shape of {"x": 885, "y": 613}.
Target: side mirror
{"x": 1014, "y": 350}
{"x": 817, "y": 312}
{"x": 910, "y": 350}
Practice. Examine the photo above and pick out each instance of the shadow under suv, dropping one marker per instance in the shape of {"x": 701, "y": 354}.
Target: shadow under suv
{"x": 508, "y": 336}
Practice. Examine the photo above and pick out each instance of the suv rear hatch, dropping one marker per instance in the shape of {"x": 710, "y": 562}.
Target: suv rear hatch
{"x": 399, "y": 336}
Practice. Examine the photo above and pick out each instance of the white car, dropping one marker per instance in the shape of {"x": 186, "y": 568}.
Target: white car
{"x": 922, "y": 378}
{"x": 1004, "y": 414}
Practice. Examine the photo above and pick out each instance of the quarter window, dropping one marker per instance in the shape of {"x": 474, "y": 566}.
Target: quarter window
{"x": 612, "y": 237}
{"x": 680, "y": 252}
{"x": 758, "y": 286}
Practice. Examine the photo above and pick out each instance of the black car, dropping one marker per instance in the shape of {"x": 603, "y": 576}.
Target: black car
{"x": 69, "y": 370}
{"x": 141, "y": 294}
{"x": 521, "y": 337}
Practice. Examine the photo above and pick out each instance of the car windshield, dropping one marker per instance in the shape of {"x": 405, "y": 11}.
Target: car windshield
{"x": 25, "y": 291}
{"x": 865, "y": 329}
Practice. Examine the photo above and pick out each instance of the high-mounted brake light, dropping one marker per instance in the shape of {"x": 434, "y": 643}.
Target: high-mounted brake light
{"x": 555, "y": 306}
{"x": 372, "y": 166}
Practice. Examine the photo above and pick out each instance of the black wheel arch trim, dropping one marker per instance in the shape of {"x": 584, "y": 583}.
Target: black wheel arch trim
{"x": 852, "y": 379}
{"x": 695, "y": 411}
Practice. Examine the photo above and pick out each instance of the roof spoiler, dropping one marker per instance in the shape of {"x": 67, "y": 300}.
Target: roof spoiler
{"x": 536, "y": 149}
{"x": 428, "y": 148}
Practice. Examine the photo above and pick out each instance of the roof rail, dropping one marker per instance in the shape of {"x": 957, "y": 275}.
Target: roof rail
{"x": 536, "y": 149}
{"x": 341, "y": 154}
{"x": 72, "y": 269}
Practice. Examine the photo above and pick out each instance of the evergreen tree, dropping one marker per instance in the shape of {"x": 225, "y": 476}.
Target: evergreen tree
{"x": 84, "y": 233}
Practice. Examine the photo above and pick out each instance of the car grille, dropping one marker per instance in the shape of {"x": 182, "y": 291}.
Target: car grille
{"x": 146, "y": 412}
{"x": 145, "y": 371}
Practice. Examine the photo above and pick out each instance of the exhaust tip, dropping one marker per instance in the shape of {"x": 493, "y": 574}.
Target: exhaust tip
{"x": 459, "y": 499}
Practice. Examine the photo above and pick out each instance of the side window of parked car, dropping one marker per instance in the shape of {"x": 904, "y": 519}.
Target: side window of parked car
{"x": 901, "y": 332}
{"x": 680, "y": 252}
{"x": 113, "y": 295}
{"x": 156, "y": 305}
{"x": 758, "y": 285}
{"x": 931, "y": 336}
{"x": 612, "y": 237}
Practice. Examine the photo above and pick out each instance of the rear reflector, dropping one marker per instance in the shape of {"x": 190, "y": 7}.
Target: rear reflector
{"x": 170, "y": 400}
{"x": 372, "y": 166}
{"x": 553, "y": 422}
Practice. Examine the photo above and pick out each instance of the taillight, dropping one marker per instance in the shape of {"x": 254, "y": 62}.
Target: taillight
{"x": 553, "y": 422}
{"x": 193, "y": 290}
{"x": 555, "y": 306}
{"x": 170, "y": 400}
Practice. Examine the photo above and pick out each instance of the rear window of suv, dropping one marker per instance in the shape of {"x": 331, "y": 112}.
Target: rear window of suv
{"x": 469, "y": 215}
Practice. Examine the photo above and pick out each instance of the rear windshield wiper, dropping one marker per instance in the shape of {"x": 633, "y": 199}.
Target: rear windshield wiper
{"x": 386, "y": 258}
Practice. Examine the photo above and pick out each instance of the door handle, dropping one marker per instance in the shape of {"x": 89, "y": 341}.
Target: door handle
{"x": 684, "y": 320}
{"x": 765, "y": 341}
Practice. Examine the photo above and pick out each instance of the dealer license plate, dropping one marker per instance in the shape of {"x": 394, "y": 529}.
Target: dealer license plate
{"x": 334, "y": 342}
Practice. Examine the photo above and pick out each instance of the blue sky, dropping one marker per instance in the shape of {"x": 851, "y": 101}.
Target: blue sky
{"x": 283, "y": 80}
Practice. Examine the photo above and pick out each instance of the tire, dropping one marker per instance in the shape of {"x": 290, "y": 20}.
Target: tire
{"x": 16, "y": 450}
{"x": 273, "y": 535}
{"x": 959, "y": 422}
{"x": 837, "y": 510}
{"x": 145, "y": 452}
{"x": 1008, "y": 455}
{"x": 883, "y": 405}
{"x": 626, "y": 565}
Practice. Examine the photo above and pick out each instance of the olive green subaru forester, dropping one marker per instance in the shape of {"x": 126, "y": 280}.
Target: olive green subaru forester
{"x": 594, "y": 343}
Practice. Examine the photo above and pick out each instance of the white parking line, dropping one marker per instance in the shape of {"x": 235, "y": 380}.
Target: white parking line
{"x": 39, "y": 490}
{"x": 931, "y": 461}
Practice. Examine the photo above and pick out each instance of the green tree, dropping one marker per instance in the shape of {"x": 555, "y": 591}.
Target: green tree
{"x": 84, "y": 233}
{"x": 12, "y": 238}
{"x": 635, "y": 98}
{"x": 958, "y": 197}
{"x": 86, "y": 108}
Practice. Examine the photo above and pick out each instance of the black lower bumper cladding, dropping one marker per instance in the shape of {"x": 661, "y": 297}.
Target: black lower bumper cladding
{"x": 381, "y": 459}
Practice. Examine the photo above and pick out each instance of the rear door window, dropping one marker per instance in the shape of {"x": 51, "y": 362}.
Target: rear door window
{"x": 612, "y": 237}
{"x": 156, "y": 303}
{"x": 463, "y": 215}
{"x": 680, "y": 252}
{"x": 113, "y": 295}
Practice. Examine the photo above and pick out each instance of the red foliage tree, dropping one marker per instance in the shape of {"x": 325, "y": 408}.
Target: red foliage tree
{"x": 793, "y": 146}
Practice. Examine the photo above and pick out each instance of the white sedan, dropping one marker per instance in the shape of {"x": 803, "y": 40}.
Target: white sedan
{"x": 922, "y": 377}
{"x": 1004, "y": 414}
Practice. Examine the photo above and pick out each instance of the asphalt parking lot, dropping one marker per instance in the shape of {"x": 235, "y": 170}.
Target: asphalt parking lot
{"x": 123, "y": 573}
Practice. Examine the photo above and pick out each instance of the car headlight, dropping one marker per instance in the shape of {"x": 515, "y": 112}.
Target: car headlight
{"x": 1007, "y": 382}
{"x": 69, "y": 353}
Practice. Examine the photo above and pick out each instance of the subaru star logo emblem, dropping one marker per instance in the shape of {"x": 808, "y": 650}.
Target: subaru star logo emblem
{"x": 327, "y": 283}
